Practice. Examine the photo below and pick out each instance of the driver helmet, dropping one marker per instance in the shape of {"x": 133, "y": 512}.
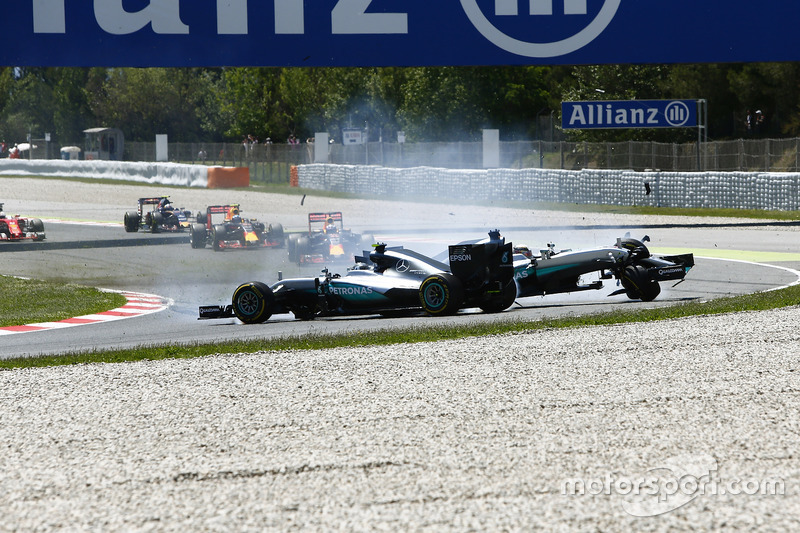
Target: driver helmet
{"x": 236, "y": 219}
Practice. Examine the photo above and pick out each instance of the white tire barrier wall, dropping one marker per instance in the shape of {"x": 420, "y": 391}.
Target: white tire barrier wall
{"x": 738, "y": 190}
{"x": 161, "y": 173}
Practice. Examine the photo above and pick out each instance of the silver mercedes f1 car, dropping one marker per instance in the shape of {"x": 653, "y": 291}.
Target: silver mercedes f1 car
{"x": 489, "y": 275}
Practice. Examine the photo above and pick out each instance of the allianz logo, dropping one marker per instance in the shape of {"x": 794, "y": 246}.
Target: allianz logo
{"x": 347, "y": 17}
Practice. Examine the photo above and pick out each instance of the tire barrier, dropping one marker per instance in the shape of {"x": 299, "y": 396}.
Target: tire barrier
{"x": 737, "y": 190}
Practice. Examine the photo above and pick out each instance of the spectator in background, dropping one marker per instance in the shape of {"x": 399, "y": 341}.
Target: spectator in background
{"x": 748, "y": 122}
{"x": 760, "y": 121}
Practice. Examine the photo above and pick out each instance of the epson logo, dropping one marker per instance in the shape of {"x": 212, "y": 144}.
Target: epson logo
{"x": 461, "y": 257}
{"x": 348, "y": 17}
{"x": 351, "y": 291}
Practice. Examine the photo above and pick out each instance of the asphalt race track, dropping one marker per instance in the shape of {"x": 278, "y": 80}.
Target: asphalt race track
{"x": 103, "y": 255}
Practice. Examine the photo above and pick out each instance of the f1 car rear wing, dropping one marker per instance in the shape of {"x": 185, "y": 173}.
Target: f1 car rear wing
{"x": 221, "y": 209}
{"x": 478, "y": 264}
{"x": 322, "y": 217}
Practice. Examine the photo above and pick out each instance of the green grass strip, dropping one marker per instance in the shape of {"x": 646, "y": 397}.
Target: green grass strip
{"x": 28, "y": 301}
{"x": 751, "y": 302}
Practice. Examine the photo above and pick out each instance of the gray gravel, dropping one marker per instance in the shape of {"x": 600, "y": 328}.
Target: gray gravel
{"x": 483, "y": 434}
{"x": 477, "y": 434}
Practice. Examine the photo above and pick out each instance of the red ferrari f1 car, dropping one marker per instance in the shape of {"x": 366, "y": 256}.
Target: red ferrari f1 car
{"x": 233, "y": 231}
{"x": 17, "y": 228}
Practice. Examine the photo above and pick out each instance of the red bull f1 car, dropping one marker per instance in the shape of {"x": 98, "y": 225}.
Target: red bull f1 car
{"x": 326, "y": 240}
{"x": 18, "y": 228}
{"x": 489, "y": 275}
{"x": 157, "y": 214}
{"x": 222, "y": 227}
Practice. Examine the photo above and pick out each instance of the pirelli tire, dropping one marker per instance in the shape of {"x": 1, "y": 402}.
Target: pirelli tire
{"x": 441, "y": 294}
{"x": 252, "y": 302}
{"x": 198, "y": 235}
{"x": 638, "y": 285}
{"x": 218, "y": 234}
{"x": 131, "y": 221}
{"x": 500, "y": 302}
{"x": 277, "y": 234}
{"x": 36, "y": 224}
{"x": 291, "y": 245}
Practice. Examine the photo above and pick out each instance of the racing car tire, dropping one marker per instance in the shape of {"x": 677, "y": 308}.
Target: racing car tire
{"x": 252, "y": 302}
{"x": 36, "y": 225}
{"x": 197, "y": 238}
{"x": 303, "y": 246}
{"x": 291, "y": 245}
{"x": 277, "y": 234}
{"x": 503, "y": 301}
{"x": 638, "y": 285}
{"x": 441, "y": 294}
{"x": 131, "y": 221}
{"x": 156, "y": 221}
{"x": 217, "y": 236}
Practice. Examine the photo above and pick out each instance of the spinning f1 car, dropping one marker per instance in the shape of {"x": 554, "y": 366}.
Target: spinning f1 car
{"x": 488, "y": 275}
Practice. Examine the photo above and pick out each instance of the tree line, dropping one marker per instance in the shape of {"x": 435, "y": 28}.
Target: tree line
{"x": 427, "y": 103}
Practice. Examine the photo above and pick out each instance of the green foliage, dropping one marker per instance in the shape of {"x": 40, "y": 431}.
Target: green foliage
{"x": 429, "y": 104}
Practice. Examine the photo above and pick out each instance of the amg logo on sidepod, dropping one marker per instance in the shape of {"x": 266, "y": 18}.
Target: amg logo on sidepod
{"x": 541, "y": 14}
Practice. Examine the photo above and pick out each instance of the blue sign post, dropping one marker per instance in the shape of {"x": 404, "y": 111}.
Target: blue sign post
{"x": 629, "y": 114}
{"x": 327, "y": 33}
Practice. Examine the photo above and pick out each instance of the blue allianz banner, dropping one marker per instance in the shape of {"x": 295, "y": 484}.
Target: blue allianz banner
{"x": 176, "y": 33}
{"x": 629, "y": 114}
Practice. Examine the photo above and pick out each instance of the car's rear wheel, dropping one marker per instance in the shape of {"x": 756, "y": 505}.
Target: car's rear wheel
{"x": 638, "y": 285}
{"x": 252, "y": 302}
{"x": 303, "y": 247}
{"x": 131, "y": 221}
{"x": 441, "y": 294}
{"x": 277, "y": 234}
{"x": 198, "y": 236}
{"x": 502, "y": 301}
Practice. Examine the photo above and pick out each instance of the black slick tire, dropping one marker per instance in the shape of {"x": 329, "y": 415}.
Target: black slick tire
{"x": 441, "y": 294}
{"x": 252, "y": 302}
{"x": 638, "y": 285}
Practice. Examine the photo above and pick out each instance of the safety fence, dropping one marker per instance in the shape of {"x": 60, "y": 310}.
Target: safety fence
{"x": 739, "y": 190}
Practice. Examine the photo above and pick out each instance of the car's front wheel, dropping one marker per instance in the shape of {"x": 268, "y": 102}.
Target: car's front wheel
{"x": 252, "y": 302}
{"x": 638, "y": 285}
